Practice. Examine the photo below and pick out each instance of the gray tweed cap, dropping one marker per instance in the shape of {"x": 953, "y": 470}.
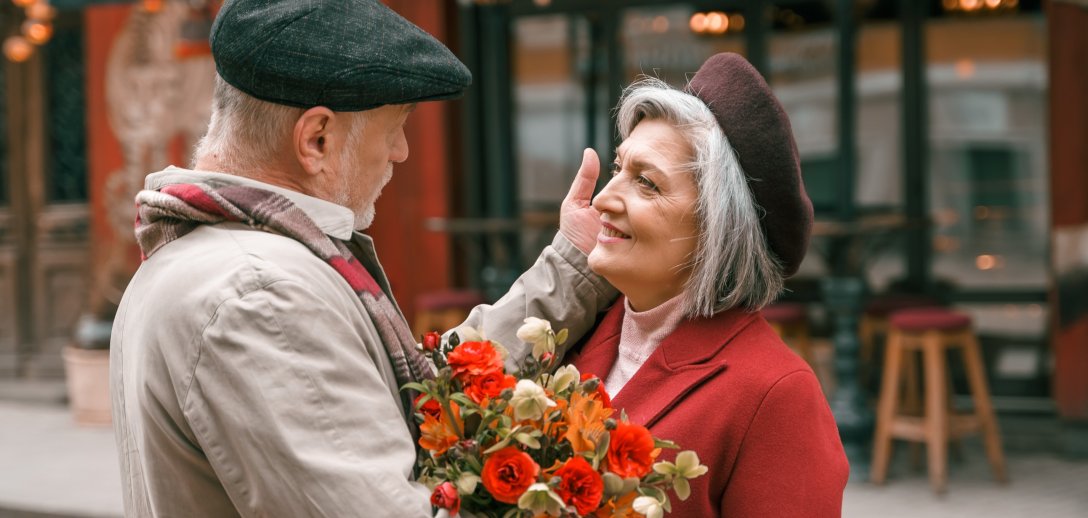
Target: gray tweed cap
{"x": 346, "y": 55}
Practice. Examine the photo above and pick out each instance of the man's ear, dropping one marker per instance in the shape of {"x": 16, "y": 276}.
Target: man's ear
{"x": 312, "y": 139}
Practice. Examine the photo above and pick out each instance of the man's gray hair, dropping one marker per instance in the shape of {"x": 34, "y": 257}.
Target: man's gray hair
{"x": 246, "y": 133}
{"x": 732, "y": 265}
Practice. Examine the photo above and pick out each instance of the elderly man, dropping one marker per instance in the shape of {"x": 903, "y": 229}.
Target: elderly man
{"x": 257, "y": 353}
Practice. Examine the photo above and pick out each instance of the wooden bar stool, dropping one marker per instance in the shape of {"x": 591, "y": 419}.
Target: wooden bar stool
{"x": 790, "y": 321}
{"x": 933, "y": 331}
{"x": 874, "y": 317}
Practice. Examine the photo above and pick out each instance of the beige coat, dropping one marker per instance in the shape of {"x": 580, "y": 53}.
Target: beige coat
{"x": 247, "y": 379}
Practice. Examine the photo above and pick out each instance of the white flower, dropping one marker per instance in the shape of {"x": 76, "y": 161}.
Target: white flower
{"x": 534, "y": 330}
{"x": 541, "y": 499}
{"x": 648, "y": 506}
{"x": 563, "y": 378}
{"x": 539, "y": 333}
{"x": 466, "y": 484}
{"x": 686, "y": 468}
{"x": 529, "y": 400}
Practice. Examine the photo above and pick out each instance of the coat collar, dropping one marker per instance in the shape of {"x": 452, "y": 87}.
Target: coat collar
{"x": 685, "y": 359}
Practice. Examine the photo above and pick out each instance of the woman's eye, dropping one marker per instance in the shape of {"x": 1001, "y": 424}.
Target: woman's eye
{"x": 615, "y": 168}
{"x": 645, "y": 182}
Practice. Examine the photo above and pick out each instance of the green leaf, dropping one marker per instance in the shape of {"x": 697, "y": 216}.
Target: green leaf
{"x": 528, "y": 440}
{"x": 662, "y": 443}
{"x": 683, "y": 488}
{"x": 418, "y": 387}
{"x": 561, "y": 336}
{"x": 499, "y": 445}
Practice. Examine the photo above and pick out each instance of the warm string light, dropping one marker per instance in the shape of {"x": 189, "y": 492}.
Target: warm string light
{"x": 36, "y": 30}
{"x": 979, "y": 6}
{"x": 715, "y": 23}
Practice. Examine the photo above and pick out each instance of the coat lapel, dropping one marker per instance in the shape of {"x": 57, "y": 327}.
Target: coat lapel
{"x": 684, "y": 360}
{"x": 599, "y": 352}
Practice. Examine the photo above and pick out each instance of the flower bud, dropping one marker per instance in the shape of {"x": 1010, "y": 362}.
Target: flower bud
{"x": 431, "y": 341}
{"x": 507, "y": 394}
{"x": 591, "y": 385}
{"x": 610, "y": 424}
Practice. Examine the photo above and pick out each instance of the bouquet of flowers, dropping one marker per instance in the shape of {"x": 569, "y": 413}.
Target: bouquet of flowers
{"x": 541, "y": 442}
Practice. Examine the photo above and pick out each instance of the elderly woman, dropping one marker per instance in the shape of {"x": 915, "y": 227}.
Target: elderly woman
{"x": 704, "y": 217}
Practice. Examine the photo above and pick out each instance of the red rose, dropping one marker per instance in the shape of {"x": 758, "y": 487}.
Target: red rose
{"x": 630, "y": 450}
{"x": 508, "y": 473}
{"x": 581, "y": 485}
{"x": 431, "y": 341}
{"x": 431, "y": 407}
{"x": 445, "y": 497}
{"x": 602, "y": 394}
{"x": 472, "y": 359}
{"x": 489, "y": 385}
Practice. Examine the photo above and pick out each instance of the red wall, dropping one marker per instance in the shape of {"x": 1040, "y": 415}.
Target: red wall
{"x": 1068, "y": 31}
{"x": 417, "y": 261}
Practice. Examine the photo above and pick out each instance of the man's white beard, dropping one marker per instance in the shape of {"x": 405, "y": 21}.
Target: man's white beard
{"x": 365, "y": 217}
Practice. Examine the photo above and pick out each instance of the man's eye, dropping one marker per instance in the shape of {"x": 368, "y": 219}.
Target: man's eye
{"x": 615, "y": 168}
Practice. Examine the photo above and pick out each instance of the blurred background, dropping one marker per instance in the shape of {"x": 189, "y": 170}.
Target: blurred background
{"x": 943, "y": 143}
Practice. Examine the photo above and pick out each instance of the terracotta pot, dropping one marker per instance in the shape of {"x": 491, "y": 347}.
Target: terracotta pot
{"x": 88, "y": 372}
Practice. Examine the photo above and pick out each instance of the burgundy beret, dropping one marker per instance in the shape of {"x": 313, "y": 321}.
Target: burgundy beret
{"x": 759, "y": 132}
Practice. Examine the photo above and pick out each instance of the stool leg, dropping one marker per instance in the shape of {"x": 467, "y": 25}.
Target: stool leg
{"x": 912, "y": 403}
{"x": 886, "y": 408}
{"x": 984, "y": 410}
{"x": 865, "y": 354}
{"x": 936, "y": 420}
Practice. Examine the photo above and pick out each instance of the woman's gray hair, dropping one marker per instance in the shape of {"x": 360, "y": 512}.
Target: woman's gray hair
{"x": 732, "y": 265}
{"x": 246, "y": 133}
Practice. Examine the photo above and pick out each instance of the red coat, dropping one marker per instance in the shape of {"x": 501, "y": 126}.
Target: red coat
{"x": 729, "y": 388}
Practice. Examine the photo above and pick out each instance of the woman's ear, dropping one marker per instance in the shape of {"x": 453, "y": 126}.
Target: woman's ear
{"x": 311, "y": 139}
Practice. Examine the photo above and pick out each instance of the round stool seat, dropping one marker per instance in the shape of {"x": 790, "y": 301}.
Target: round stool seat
{"x": 883, "y": 305}
{"x": 785, "y": 313}
{"x": 924, "y": 319}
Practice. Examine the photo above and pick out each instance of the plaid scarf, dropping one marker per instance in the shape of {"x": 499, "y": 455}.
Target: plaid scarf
{"x": 165, "y": 215}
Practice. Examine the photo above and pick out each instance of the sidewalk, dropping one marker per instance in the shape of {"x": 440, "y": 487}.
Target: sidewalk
{"x": 49, "y": 467}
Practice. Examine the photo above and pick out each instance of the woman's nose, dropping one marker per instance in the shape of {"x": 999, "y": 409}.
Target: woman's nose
{"x": 607, "y": 200}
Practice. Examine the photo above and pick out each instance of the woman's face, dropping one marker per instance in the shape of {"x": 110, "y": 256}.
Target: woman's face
{"x": 648, "y": 213}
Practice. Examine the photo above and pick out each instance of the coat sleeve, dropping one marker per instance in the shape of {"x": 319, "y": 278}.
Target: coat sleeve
{"x": 791, "y": 461}
{"x": 559, "y": 288}
{"x": 292, "y": 411}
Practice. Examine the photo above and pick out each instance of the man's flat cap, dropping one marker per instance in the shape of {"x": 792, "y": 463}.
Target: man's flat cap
{"x": 759, "y": 132}
{"x": 346, "y": 55}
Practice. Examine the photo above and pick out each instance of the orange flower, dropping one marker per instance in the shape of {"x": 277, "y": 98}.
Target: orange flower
{"x": 471, "y": 359}
{"x": 580, "y": 485}
{"x": 508, "y": 473}
{"x": 618, "y": 507}
{"x": 489, "y": 385}
{"x": 439, "y": 434}
{"x": 630, "y": 450}
{"x": 586, "y": 422}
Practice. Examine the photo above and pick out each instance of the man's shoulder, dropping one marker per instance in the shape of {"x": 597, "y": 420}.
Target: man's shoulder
{"x": 213, "y": 264}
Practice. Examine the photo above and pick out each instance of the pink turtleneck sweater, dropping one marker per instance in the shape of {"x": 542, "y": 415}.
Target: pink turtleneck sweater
{"x": 640, "y": 335}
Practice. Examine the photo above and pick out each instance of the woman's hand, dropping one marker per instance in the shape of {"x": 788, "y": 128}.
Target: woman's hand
{"x": 578, "y": 221}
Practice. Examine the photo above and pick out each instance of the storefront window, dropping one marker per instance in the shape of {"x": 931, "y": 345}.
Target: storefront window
{"x": 551, "y": 63}
{"x": 671, "y": 42}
